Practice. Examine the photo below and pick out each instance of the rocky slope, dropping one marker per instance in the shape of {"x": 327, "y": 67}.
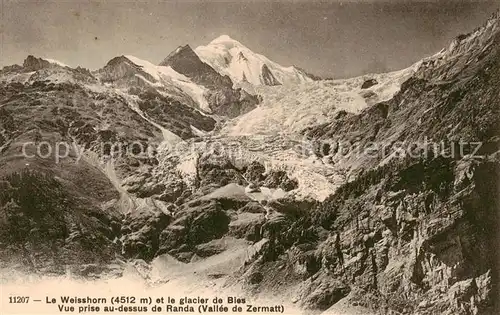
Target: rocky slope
{"x": 60, "y": 213}
{"x": 412, "y": 233}
{"x": 451, "y": 98}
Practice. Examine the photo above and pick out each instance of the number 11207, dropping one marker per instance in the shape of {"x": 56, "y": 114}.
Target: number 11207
{"x": 19, "y": 299}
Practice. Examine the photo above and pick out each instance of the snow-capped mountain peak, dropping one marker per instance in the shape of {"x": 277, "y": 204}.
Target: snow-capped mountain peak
{"x": 227, "y": 41}
{"x": 223, "y": 38}
{"x": 230, "y": 57}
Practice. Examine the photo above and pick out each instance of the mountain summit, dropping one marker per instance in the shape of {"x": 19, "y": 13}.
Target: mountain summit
{"x": 230, "y": 57}
{"x": 184, "y": 60}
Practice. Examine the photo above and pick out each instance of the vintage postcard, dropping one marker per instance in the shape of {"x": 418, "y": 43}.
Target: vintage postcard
{"x": 249, "y": 157}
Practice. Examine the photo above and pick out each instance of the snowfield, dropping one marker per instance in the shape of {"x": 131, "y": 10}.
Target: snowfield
{"x": 168, "y": 76}
{"x": 290, "y": 109}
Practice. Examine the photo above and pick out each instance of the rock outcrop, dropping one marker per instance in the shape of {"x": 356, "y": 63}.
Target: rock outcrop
{"x": 31, "y": 63}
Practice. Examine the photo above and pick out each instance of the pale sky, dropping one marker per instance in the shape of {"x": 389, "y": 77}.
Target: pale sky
{"x": 329, "y": 38}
